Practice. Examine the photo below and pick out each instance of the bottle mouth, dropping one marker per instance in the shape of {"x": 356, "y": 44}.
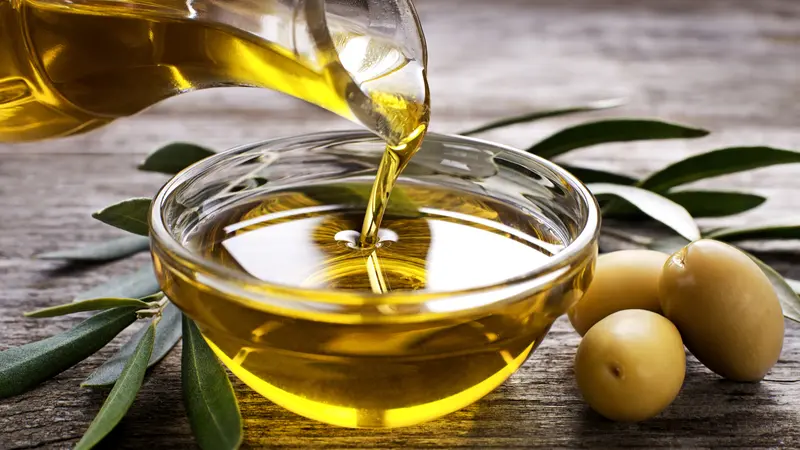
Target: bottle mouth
{"x": 551, "y": 186}
{"x": 375, "y": 55}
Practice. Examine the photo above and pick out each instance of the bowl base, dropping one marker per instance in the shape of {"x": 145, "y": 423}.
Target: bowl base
{"x": 354, "y": 417}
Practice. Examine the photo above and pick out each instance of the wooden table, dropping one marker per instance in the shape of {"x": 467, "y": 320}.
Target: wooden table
{"x": 729, "y": 66}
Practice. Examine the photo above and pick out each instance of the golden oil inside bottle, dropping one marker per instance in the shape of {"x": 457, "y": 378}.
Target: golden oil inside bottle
{"x": 361, "y": 372}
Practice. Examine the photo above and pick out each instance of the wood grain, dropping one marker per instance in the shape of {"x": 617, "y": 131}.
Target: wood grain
{"x": 730, "y": 66}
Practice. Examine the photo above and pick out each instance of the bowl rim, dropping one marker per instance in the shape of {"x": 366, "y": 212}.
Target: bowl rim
{"x": 224, "y": 279}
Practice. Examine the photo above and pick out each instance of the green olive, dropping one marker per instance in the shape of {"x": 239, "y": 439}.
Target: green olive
{"x": 626, "y": 279}
{"x": 725, "y": 308}
{"x": 630, "y": 365}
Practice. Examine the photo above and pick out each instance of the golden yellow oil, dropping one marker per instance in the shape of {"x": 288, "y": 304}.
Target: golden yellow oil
{"x": 365, "y": 371}
{"x": 394, "y": 160}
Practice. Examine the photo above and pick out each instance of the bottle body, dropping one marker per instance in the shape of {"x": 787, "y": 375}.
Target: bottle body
{"x": 70, "y": 67}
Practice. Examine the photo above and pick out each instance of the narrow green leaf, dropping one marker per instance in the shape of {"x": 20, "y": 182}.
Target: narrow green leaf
{"x": 715, "y": 163}
{"x": 756, "y": 233}
{"x": 537, "y": 115}
{"x": 787, "y": 295}
{"x": 699, "y": 204}
{"x": 123, "y": 394}
{"x": 587, "y": 175}
{"x": 615, "y": 130}
{"x": 139, "y": 284}
{"x": 95, "y": 304}
{"x": 152, "y": 297}
{"x": 669, "y": 244}
{"x": 168, "y": 333}
{"x": 24, "y": 367}
{"x": 208, "y": 395}
{"x": 714, "y": 203}
{"x": 129, "y": 215}
{"x": 102, "y": 251}
{"x": 174, "y": 157}
{"x": 659, "y": 208}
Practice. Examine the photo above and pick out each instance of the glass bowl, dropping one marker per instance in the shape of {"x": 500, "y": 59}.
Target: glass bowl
{"x": 357, "y": 358}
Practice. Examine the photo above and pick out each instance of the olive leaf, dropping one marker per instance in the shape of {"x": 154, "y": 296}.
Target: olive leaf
{"x": 613, "y": 130}
{"x": 208, "y": 394}
{"x": 699, "y": 204}
{"x": 95, "y": 304}
{"x": 168, "y": 333}
{"x": 656, "y": 206}
{"x": 123, "y": 394}
{"x": 139, "y": 284}
{"x": 152, "y": 297}
{"x": 587, "y": 175}
{"x": 715, "y": 203}
{"x": 24, "y": 367}
{"x": 715, "y": 163}
{"x": 174, "y": 157}
{"x": 102, "y": 251}
{"x": 129, "y": 215}
{"x": 537, "y": 115}
{"x": 788, "y": 297}
{"x": 756, "y": 233}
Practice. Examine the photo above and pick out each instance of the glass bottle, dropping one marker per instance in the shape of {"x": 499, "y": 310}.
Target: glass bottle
{"x": 69, "y": 66}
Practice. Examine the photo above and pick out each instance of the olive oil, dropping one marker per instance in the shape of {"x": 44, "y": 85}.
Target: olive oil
{"x": 394, "y": 160}
{"x": 454, "y": 241}
{"x": 363, "y": 371}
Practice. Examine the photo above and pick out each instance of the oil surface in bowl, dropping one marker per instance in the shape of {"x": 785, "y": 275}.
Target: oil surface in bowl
{"x": 362, "y": 373}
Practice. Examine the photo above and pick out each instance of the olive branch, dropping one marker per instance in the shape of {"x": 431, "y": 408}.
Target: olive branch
{"x": 208, "y": 395}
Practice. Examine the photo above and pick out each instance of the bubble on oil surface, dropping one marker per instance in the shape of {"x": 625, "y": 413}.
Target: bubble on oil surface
{"x": 352, "y": 238}
{"x": 349, "y": 238}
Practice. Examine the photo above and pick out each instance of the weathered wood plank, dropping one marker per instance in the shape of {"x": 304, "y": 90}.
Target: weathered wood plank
{"x": 730, "y": 66}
